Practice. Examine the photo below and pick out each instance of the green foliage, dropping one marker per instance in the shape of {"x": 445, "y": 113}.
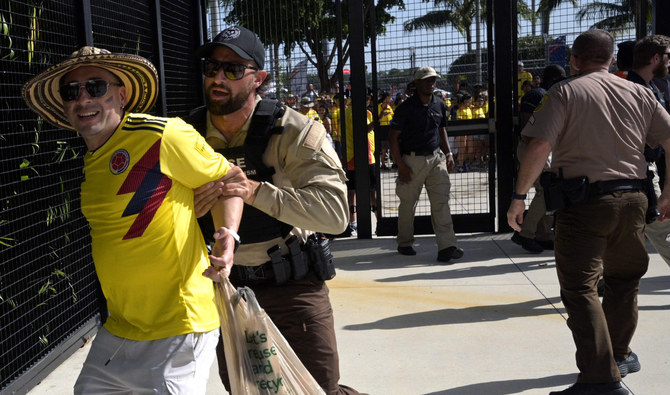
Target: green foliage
{"x": 529, "y": 48}
{"x": 459, "y": 14}
{"x": 307, "y": 26}
{"x": 617, "y": 17}
{"x": 6, "y": 38}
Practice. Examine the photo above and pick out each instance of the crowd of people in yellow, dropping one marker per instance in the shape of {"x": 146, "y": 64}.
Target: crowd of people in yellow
{"x": 462, "y": 104}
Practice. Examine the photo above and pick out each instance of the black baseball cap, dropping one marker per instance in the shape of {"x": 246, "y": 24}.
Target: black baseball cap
{"x": 243, "y": 41}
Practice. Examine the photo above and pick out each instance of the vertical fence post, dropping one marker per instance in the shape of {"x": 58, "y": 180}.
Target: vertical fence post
{"x": 504, "y": 107}
{"x": 661, "y": 12}
{"x": 159, "y": 57}
{"x": 359, "y": 117}
{"x": 84, "y": 23}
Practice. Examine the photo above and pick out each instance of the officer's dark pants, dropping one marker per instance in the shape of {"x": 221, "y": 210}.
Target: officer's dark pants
{"x": 302, "y": 312}
{"x": 606, "y": 231}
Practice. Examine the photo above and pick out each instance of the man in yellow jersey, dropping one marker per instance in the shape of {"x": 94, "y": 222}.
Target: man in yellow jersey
{"x": 140, "y": 173}
{"x": 307, "y": 108}
{"x": 523, "y": 76}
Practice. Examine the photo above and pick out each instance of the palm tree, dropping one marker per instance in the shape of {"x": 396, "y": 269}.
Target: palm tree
{"x": 545, "y": 8}
{"x": 460, "y": 14}
{"x": 615, "y": 17}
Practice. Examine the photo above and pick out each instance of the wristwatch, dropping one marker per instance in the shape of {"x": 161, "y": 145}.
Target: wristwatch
{"x": 236, "y": 237}
{"x": 517, "y": 196}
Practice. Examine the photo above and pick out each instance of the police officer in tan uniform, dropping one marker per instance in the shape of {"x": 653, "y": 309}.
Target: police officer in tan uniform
{"x": 596, "y": 125}
{"x": 292, "y": 184}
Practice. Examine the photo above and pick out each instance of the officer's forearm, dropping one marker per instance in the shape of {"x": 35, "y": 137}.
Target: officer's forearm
{"x": 536, "y": 157}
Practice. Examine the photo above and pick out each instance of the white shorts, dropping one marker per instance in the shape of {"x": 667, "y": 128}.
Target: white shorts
{"x": 174, "y": 365}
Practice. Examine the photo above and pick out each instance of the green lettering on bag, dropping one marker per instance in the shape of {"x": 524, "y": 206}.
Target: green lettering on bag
{"x": 271, "y": 385}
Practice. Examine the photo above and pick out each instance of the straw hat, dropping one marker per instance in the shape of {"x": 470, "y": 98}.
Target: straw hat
{"x": 136, "y": 73}
{"x": 306, "y": 102}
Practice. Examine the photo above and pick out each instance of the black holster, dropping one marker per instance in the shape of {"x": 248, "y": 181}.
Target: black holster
{"x": 317, "y": 248}
{"x": 561, "y": 193}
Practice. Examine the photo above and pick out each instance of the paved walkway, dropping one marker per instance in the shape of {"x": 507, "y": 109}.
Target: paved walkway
{"x": 492, "y": 323}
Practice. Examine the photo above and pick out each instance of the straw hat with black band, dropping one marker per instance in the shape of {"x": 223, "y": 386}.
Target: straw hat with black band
{"x": 136, "y": 73}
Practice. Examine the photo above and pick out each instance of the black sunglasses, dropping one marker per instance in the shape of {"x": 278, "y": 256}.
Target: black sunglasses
{"x": 232, "y": 71}
{"x": 96, "y": 87}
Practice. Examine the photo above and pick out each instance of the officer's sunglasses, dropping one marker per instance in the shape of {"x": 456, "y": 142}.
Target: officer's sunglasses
{"x": 96, "y": 87}
{"x": 232, "y": 71}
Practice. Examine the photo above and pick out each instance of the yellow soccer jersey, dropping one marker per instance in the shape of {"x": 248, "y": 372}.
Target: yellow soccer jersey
{"x": 464, "y": 113}
{"x": 349, "y": 123}
{"x": 385, "y": 115}
{"x": 335, "y": 125}
{"x": 478, "y": 112}
{"x": 147, "y": 247}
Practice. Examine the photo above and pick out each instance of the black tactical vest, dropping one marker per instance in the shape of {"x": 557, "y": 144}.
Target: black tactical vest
{"x": 255, "y": 225}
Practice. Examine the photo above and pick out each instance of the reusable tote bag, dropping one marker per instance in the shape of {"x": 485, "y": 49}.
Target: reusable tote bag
{"x": 259, "y": 359}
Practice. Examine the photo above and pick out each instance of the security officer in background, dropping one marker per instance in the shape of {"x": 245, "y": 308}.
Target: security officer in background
{"x": 650, "y": 60}
{"x": 292, "y": 185}
{"x": 420, "y": 148}
{"x": 596, "y": 126}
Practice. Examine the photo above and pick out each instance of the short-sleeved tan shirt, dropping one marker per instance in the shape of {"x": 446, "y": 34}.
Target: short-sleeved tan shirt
{"x": 597, "y": 125}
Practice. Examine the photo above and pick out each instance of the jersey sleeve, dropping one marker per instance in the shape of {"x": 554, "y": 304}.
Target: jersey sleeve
{"x": 187, "y": 158}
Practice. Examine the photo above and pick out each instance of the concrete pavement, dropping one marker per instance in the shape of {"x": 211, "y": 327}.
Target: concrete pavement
{"x": 491, "y": 323}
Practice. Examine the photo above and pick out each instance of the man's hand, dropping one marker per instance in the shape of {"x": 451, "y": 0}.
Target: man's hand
{"x": 222, "y": 255}
{"x": 205, "y": 196}
{"x": 450, "y": 163}
{"x": 404, "y": 172}
{"x": 663, "y": 205}
{"x": 236, "y": 183}
{"x": 515, "y": 214}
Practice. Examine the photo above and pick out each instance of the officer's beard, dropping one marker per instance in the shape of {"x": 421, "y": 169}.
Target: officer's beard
{"x": 660, "y": 71}
{"x": 227, "y": 105}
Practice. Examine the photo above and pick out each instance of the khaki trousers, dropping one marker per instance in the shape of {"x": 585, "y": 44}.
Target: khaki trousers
{"x": 536, "y": 224}
{"x": 431, "y": 171}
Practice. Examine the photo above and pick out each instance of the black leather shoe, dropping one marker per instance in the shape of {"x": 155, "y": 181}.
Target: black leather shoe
{"x": 629, "y": 365}
{"x": 449, "y": 253}
{"x": 407, "y": 250}
{"x": 614, "y": 388}
{"x": 527, "y": 243}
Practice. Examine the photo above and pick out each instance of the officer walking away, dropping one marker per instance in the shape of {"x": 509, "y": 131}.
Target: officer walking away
{"x": 420, "y": 149}
{"x": 138, "y": 199}
{"x": 293, "y": 186}
{"x": 600, "y": 203}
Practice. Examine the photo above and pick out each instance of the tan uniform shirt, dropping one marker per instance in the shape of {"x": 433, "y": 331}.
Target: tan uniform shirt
{"x": 308, "y": 188}
{"x": 597, "y": 125}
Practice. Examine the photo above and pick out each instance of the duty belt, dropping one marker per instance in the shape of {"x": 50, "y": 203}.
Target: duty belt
{"x": 626, "y": 185}
{"x": 420, "y": 153}
{"x": 313, "y": 256}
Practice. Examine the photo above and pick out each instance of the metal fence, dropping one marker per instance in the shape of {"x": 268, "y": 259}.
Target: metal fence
{"x": 309, "y": 46}
{"x": 49, "y": 296}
